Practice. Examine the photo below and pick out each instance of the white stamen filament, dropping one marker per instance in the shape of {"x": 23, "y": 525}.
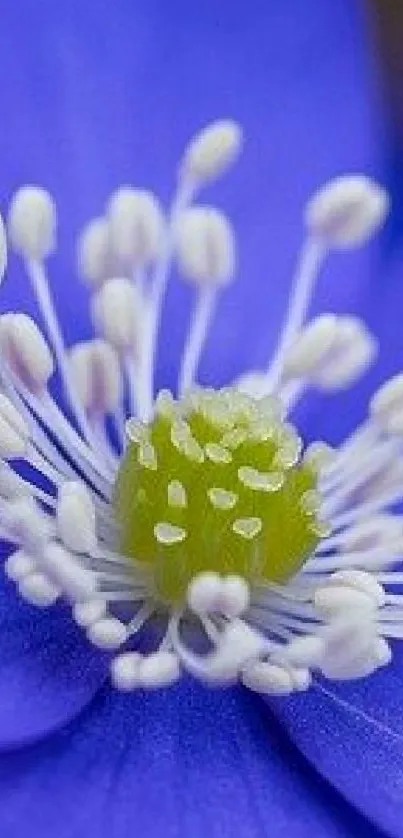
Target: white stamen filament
{"x": 153, "y": 312}
{"x": 199, "y": 327}
{"x": 37, "y": 274}
{"x": 310, "y": 261}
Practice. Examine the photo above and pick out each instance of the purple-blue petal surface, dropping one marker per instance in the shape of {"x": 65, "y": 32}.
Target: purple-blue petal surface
{"x": 48, "y": 671}
{"x": 353, "y": 734}
{"x": 187, "y": 762}
{"x": 95, "y": 93}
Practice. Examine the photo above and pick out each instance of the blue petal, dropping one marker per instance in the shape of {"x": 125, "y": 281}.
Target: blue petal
{"x": 48, "y": 672}
{"x": 354, "y": 736}
{"x": 184, "y": 762}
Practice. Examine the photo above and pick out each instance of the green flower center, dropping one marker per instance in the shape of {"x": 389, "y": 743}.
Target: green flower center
{"x": 215, "y": 482}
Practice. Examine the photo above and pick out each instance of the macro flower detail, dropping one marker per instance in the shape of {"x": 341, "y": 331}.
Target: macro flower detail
{"x": 199, "y": 522}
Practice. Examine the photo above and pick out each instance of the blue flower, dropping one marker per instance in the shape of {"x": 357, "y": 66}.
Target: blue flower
{"x": 78, "y": 755}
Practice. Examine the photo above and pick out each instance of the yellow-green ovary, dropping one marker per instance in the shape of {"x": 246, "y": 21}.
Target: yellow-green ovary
{"x": 215, "y": 482}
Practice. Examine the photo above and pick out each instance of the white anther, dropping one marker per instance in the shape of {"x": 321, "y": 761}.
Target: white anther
{"x": 234, "y": 596}
{"x": 205, "y": 246}
{"x": 310, "y": 346}
{"x": 351, "y": 646}
{"x": 359, "y": 580}
{"x": 136, "y": 226}
{"x": 347, "y": 210}
{"x": 26, "y": 524}
{"x": 97, "y": 377}
{"x": 76, "y": 518}
{"x": 19, "y": 565}
{"x": 37, "y": 589}
{"x": 301, "y": 679}
{"x": 318, "y": 456}
{"x": 25, "y": 351}
{"x": 93, "y": 252}
{"x": 382, "y": 652}
{"x": 14, "y": 433}
{"x": 266, "y": 678}
{"x": 3, "y": 249}
{"x": 117, "y": 311}
{"x": 351, "y": 354}
{"x": 345, "y": 670}
{"x": 32, "y": 222}
{"x": 389, "y": 396}
{"x": 304, "y": 651}
{"x": 160, "y": 669}
{"x": 386, "y": 405}
{"x": 66, "y": 571}
{"x": 204, "y": 592}
{"x": 238, "y": 644}
{"x": 107, "y": 633}
{"x": 331, "y": 600}
{"x": 125, "y": 671}
{"x": 169, "y": 534}
{"x": 212, "y": 151}
{"x": 331, "y": 351}
{"x": 87, "y": 613}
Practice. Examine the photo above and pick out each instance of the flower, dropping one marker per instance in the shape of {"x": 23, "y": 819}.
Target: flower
{"x": 199, "y": 524}
{"x": 292, "y": 797}
{"x": 255, "y": 558}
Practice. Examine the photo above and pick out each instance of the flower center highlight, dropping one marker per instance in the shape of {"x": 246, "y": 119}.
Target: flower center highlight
{"x": 215, "y": 483}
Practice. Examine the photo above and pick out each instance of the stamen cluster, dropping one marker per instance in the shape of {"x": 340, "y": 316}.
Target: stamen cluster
{"x": 198, "y": 517}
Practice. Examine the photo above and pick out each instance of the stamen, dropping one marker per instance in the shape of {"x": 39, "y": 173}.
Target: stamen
{"x": 136, "y": 227}
{"x": 118, "y": 312}
{"x": 94, "y": 256}
{"x": 76, "y": 518}
{"x": 206, "y": 256}
{"x": 107, "y": 633}
{"x": 212, "y": 151}
{"x": 343, "y": 213}
{"x": 38, "y": 590}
